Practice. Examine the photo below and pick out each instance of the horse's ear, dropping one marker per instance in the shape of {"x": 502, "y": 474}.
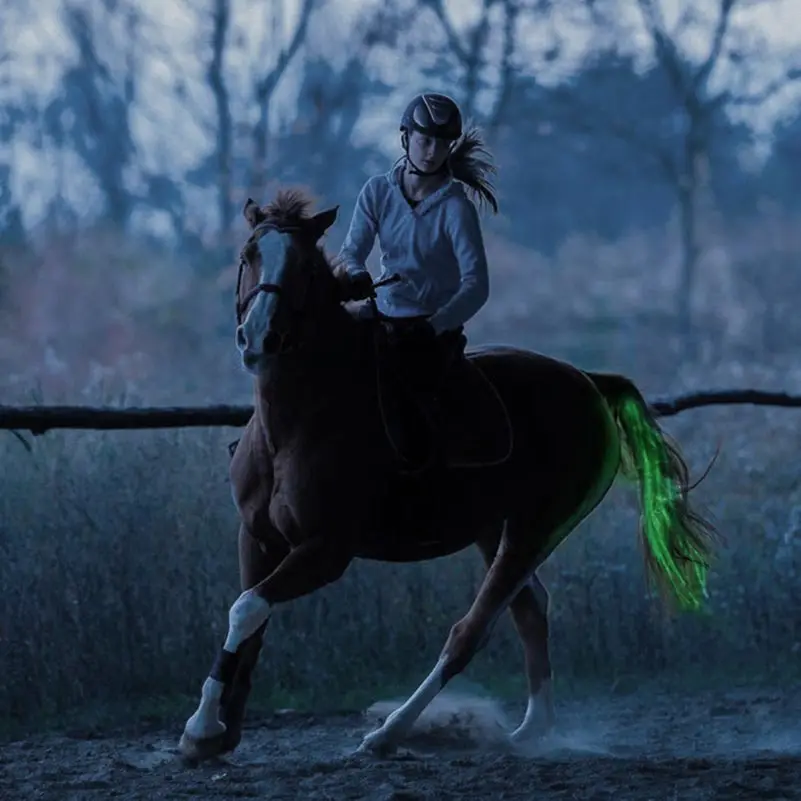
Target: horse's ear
{"x": 321, "y": 222}
{"x": 252, "y": 213}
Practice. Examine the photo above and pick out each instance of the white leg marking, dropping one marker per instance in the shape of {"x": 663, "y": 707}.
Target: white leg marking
{"x": 205, "y": 722}
{"x": 246, "y": 614}
{"x": 402, "y": 719}
{"x": 539, "y": 717}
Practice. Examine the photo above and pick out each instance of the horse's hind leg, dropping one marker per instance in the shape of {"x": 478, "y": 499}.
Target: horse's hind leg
{"x": 530, "y": 614}
{"x": 529, "y": 609}
{"x": 511, "y": 568}
{"x": 216, "y": 726}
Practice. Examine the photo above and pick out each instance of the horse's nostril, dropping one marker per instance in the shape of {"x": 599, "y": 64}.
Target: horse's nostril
{"x": 241, "y": 337}
{"x": 272, "y": 342}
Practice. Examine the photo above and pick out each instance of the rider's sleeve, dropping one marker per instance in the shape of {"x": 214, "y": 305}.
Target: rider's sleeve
{"x": 361, "y": 235}
{"x": 464, "y": 229}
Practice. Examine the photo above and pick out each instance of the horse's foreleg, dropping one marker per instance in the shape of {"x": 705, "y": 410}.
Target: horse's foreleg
{"x": 216, "y": 725}
{"x": 256, "y": 562}
{"x": 310, "y": 566}
{"x": 510, "y": 569}
{"x": 529, "y": 609}
{"x": 306, "y": 568}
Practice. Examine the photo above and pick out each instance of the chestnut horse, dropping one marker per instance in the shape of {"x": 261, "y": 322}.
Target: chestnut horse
{"x": 318, "y": 482}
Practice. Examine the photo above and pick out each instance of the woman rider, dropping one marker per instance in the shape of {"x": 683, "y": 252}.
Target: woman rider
{"x": 430, "y": 238}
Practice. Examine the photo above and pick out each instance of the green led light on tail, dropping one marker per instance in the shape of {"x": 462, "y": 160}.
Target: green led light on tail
{"x": 676, "y": 539}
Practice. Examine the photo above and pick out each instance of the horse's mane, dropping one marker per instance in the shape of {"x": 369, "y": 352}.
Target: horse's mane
{"x": 289, "y": 207}
{"x": 472, "y": 164}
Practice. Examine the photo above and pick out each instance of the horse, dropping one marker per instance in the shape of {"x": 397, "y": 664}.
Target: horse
{"x": 319, "y": 482}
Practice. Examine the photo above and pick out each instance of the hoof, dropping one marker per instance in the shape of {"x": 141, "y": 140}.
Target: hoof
{"x": 530, "y": 734}
{"x": 377, "y": 743}
{"x": 196, "y": 750}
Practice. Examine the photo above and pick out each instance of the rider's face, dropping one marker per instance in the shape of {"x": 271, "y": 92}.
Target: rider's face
{"x": 427, "y": 152}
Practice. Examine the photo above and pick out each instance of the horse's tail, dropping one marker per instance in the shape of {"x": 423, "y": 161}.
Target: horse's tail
{"x": 678, "y": 541}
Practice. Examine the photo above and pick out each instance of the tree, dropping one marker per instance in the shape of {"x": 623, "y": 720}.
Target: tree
{"x": 470, "y": 53}
{"x": 91, "y": 112}
{"x": 782, "y": 171}
{"x": 16, "y": 110}
{"x": 268, "y": 80}
{"x": 215, "y": 75}
{"x": 703, "y": 90}
{"x": 335, "y": 87}
{"x": 234, "y": 90}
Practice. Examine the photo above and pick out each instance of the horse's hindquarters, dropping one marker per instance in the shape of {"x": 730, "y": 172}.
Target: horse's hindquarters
{"x": 566, "y": 445}
{"x": 564, "y": 458}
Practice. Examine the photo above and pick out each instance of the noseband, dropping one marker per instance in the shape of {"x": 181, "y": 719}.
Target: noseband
{"x": 242, "y": 307}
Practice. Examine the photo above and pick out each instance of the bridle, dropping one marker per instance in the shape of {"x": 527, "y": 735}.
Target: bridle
{"x": 241, "y": 306}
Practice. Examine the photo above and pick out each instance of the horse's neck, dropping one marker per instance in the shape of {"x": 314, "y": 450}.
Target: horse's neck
{"x": 331, "y": 382}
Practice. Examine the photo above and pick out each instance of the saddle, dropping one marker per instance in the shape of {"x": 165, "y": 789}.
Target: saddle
{"x": 466, "y": 426}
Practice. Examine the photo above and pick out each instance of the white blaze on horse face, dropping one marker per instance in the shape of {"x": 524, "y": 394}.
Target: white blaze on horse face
{"x": 258, "y": 324}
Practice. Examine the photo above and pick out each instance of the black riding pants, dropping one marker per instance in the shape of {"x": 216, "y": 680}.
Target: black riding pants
{"x": 423, "y": 359}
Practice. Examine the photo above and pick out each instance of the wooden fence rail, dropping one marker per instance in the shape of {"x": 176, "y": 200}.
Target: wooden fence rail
{"x": 40, "y": 419}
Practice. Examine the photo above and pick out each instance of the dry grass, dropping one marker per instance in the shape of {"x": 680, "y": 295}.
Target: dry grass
{"x": 118, "y": 565}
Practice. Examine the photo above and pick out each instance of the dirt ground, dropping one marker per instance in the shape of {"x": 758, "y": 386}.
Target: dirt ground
{"x": 738, "y": 744}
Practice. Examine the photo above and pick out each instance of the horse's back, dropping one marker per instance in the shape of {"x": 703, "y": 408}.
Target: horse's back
{"x": 555, "y": 407}
{"x": 547, "y": 373}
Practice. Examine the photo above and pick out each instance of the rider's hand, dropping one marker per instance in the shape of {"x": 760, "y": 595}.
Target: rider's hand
{"x": 357, "y": 285}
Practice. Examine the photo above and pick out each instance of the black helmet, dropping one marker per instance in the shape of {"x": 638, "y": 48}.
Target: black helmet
{"x": 433, "y": 115}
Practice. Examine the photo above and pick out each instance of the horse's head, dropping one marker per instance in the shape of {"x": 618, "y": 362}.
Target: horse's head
{"x": 283, "y": 278}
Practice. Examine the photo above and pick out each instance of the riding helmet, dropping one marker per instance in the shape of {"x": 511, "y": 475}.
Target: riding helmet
{"x": 434, "y": 115}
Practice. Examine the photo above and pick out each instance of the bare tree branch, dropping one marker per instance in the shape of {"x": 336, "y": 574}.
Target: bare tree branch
{"x": 215, "y": 75}
{"x": 454, "y": 42}
{"x": 507, "y": 69}
{"x": 716, "y": 47}
{"x": 265, "y": 88}
{"x": 699, "y": 107}
{"x": 766, "y": 93}
{"x": 158, "y": 48}
{"x": 266, "y": 85}
{"x": 469, "y": 53}
{"x": 664, "y": 47}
